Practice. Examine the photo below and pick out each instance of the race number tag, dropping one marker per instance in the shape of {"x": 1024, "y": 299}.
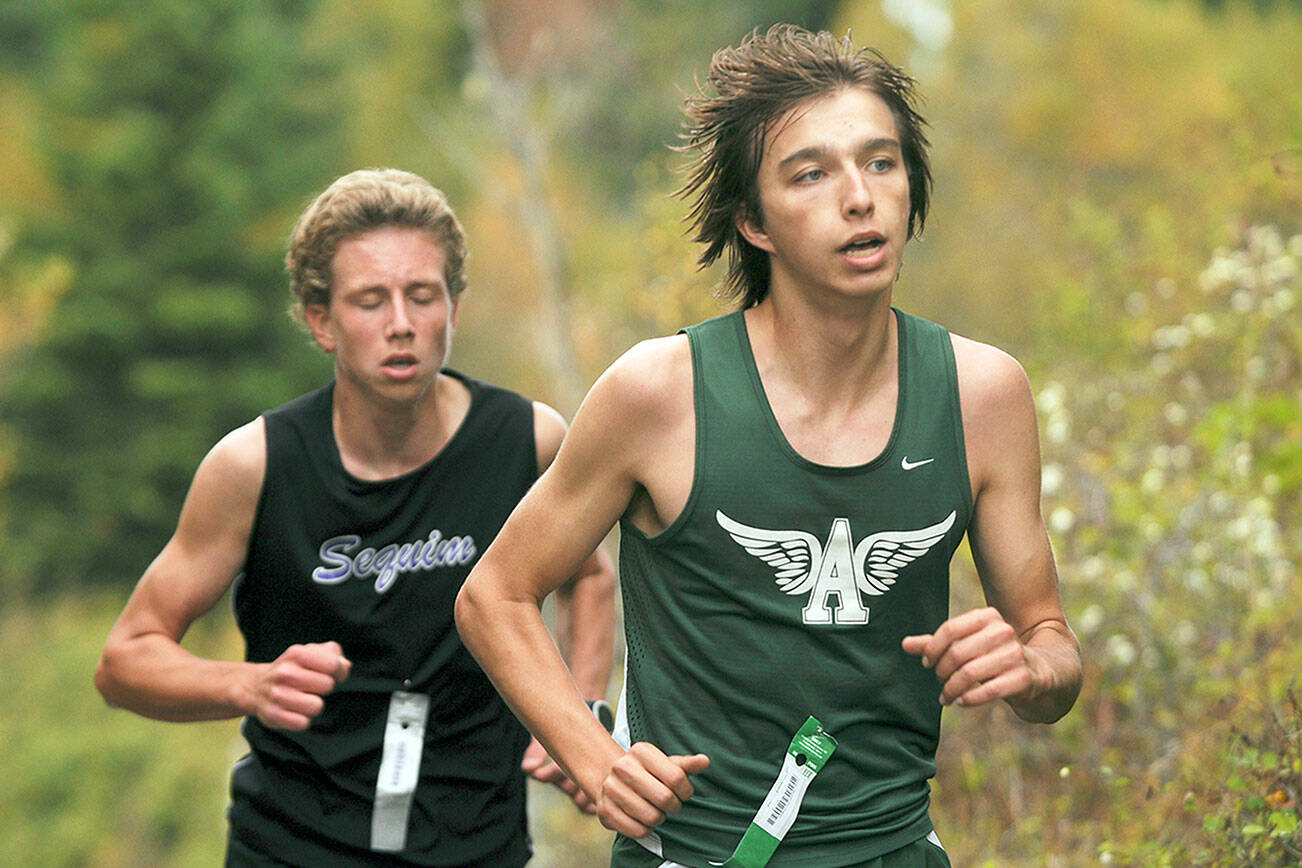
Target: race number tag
{"x": 404, "y": 738}
{"x": 809, "y": 751}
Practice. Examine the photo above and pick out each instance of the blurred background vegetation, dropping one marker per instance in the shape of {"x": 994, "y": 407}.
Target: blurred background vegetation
{"x": 1118, "y": 203}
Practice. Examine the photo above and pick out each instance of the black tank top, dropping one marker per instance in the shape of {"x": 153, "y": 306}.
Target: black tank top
{"x": 376, "y": 566}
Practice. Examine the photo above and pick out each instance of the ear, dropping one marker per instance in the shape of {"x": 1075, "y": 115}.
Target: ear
{"x": 454, "y": 309}
{"x": 751, "y": 229}
{"x": 318, "y": 320}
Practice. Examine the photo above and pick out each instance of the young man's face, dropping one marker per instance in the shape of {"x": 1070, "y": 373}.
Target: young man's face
{"x": 835, "y": 197}
{"x": 390, "y": 318}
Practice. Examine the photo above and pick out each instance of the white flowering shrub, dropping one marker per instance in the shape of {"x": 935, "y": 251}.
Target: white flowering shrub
{"x": 1172, "y": 489}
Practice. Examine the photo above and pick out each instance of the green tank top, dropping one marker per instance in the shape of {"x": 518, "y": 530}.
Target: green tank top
{"x": 782, "y": 591}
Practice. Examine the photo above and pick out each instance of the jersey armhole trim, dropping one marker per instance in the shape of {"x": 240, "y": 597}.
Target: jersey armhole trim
{"x": 698, "y": 456}
{"x": 960, "y": 442}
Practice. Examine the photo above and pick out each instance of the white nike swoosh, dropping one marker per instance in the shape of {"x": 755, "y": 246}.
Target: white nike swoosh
{"x": 906, "y": 464}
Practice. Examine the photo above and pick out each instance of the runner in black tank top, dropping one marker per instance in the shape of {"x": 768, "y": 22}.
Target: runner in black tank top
{"x": 376, "y": 566}
{"x": 351, "y": 517}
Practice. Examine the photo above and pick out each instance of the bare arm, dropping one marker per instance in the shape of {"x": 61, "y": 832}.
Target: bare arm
{"x": 553, "y": 531}
{"x": 585, "y": 627}
{"x": 585, "y": 603}
{"x": 143, "y": 667}
{"x": 585, "y": 622}
{"x": 1020, "y": 649}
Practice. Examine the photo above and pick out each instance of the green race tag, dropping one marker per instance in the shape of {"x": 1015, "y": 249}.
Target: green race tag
{"x": 809, "y": 751}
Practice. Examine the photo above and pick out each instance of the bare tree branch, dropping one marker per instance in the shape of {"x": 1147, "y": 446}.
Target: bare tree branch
{"x": 507, "y": 101}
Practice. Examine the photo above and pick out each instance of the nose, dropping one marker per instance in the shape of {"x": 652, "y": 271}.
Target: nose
{"x": 400, "y": 325}
{"x": 857, "y": 196}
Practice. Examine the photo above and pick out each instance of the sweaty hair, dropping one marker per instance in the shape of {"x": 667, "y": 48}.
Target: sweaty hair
{"x": 754, "y": 84}
{"x": 359, "y": 202}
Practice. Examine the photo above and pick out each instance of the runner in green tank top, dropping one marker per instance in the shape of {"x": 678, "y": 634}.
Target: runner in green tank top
{"x": 790, "y": 482}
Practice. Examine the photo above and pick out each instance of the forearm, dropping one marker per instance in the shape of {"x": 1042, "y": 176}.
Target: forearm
{"x": 585, "y": 625}
{"x": 155, "y": 677}
{"x": 511, "y": 643}
{"x": 1053, "y": 656}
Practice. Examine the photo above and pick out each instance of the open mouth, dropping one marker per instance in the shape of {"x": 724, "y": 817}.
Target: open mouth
{"x": 400, "y": 363}
{"x": 863, "y": 245}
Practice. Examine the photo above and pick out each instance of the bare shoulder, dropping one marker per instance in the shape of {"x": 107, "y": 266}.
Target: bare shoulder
{"x": 211, "y": 539}
{"x": 988, "y": 377}
{"x": 242, "y": 454}
{"x": 648, "y": 386}
{"x": 637, "y": 414}
{"x": 230, "y": 476}
{"x": 999, "y": 424}
{"x": 634, "y": 432}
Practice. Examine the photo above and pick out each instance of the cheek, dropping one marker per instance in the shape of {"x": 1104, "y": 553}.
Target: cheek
{"x": 899, "y": 190}
{"x": 437, "y": 325}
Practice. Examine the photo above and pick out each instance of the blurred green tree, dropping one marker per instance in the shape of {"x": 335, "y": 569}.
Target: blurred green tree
{"x": 178, "y": 140}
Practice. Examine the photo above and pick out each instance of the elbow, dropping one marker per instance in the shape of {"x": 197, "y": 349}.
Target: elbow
{"x": 466, "y": 611}
{"x": 601, "y": 582}
{"x": 595, "y": 582}
{"x": 481, "y": 609}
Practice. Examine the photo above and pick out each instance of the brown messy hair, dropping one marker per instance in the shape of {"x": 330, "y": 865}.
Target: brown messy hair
{"x": 359, "y": 202}
{"x": 754, "y": 84}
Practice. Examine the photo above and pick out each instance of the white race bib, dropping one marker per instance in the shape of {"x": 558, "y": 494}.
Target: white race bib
{"x": 404, "y": 739}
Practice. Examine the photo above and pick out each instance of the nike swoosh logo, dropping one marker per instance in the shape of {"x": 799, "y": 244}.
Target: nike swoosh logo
{"x": 906, "y": 464}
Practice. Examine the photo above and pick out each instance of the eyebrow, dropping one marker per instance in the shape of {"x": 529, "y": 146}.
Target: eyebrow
{"x": 815, "y": 152}
{"x": 407, "y": 287}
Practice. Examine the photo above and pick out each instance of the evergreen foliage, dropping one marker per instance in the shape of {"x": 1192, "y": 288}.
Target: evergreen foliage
{"x": 180, "y": 139}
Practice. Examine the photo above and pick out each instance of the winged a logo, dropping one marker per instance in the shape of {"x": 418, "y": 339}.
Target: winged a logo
{"x": 803, "y": 565}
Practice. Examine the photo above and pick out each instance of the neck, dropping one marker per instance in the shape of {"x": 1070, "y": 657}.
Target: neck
{"x": 380, "y": 439}
{"x": 836, "y": 350}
